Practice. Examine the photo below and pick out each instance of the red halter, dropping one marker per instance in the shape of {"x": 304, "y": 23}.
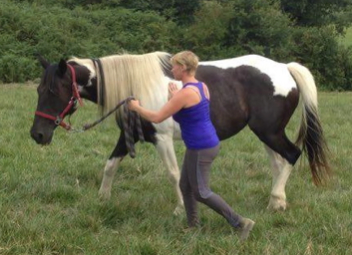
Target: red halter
{"x": 59, "y": 120}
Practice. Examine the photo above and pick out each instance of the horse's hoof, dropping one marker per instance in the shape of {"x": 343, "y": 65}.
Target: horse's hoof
{"x": 178, "y": 210}
{"x": 277, "y": 204}
{"x": 104, "y": 195}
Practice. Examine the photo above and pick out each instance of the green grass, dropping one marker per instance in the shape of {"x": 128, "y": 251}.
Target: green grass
{"x": 347, "y": 39}
{"x": 49, "y": 200}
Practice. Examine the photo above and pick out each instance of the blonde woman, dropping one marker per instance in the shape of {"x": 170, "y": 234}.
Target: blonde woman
{"x": 189, "y": 107}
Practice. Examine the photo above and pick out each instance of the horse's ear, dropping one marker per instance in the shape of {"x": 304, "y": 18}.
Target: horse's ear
{"x": 62, "y": 67}
{"x": 42, "y": 61}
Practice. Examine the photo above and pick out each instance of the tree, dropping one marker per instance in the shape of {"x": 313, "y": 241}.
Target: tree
{"x": 180, "y": 11}
{"x": 319, "y": 12}
{"x": 259, "y": 27}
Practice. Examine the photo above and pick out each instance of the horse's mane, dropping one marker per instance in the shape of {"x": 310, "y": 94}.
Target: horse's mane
{"x": 125, "y": 75}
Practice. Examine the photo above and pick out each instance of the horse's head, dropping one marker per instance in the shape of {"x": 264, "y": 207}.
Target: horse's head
{"x": 57, "y": 96}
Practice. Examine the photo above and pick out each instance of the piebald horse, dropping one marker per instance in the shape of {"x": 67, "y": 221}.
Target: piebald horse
{"x": 249, "y": 90}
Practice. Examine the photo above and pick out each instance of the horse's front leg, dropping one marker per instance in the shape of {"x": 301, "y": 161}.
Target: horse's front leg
{"x": 165, "y": 148}
{"x": 112, "y": 164}
{"x": 281, "y": 171}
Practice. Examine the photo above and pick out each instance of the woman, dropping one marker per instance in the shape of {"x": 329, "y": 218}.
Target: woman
{"x": 189, "y": 107}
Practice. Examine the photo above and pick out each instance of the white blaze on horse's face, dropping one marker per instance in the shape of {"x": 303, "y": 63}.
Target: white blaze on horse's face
{"x": 279, "y": 74}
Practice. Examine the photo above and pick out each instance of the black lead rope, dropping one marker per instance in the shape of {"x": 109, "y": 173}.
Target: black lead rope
{"x": 130, "y": 120}
{"x": 123, "y": 102}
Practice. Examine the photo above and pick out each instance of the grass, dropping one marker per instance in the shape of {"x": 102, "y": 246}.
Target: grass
{"x": 347, "y": 39}
{"x": 49, "y": 195}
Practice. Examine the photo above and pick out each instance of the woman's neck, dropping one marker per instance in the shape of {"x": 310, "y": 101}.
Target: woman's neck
{"x": 189, "y": 79}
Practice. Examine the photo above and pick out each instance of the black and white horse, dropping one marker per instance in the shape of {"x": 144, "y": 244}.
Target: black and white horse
{"x": 249, "y": 90}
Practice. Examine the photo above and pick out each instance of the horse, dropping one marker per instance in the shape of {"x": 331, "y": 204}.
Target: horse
{"x": 250, "y": 90}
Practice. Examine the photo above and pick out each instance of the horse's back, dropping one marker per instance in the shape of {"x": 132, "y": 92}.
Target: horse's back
{"x": 278, "y": 72}
{"x": 250, "y": 90}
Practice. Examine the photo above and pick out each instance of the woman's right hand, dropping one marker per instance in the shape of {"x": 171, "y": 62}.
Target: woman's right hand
{"x": 133, "y": 104}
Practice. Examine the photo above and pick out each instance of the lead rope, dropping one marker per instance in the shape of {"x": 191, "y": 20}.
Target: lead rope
{"x": 130, "y": 120}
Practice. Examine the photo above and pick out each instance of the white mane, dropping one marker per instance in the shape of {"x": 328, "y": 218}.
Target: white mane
{"x": 127, "y": 75}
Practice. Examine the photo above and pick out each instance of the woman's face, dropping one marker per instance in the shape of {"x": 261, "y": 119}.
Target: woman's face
{"x": 177, "y": 71}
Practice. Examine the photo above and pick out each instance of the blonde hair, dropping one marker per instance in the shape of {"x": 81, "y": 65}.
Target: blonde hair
{"x": 187, "y": 59}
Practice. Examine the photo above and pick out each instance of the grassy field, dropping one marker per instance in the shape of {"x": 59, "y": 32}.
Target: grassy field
{"x": 49, "y": 200}
{"x": 347, "y": 39}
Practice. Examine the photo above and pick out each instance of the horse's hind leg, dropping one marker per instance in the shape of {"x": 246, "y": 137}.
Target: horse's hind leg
{"x": 165, "y": 148}
{"x": 283, "y": 155}
{"x": 110, "y": 167}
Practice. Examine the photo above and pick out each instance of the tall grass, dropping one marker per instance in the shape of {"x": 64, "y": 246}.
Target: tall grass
{"x": 50, "y": 204}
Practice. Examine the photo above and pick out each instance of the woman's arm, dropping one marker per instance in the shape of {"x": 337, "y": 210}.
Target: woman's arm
{"x": 176, "y": 103}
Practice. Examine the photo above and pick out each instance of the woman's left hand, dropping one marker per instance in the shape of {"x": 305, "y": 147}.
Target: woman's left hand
{"x": 173, "y": 89}
{"x": 133, "y": 105}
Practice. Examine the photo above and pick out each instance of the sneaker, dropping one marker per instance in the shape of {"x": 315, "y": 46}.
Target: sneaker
{"x": 246, "y": 227}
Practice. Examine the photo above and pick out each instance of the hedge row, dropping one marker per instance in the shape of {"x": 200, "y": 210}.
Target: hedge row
{"x": 220, "y": 29}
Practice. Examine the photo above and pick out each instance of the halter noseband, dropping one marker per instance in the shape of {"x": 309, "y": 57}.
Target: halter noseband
{"x": 59, "y": 119}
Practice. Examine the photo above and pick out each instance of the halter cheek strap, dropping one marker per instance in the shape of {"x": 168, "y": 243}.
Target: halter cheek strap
{"x": 75, "y": 92}
{"x": 59, "y": 119}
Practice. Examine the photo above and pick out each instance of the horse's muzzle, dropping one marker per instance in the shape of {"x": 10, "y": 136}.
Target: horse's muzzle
{"x": 41, "y": 137}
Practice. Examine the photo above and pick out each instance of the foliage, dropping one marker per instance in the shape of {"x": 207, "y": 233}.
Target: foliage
{"x": 26, "y": 30}
{"x": 307, "y": 31}
{"x": 329, "y": 61}
{"x": 205, "y": 35}
{"x": 319, "y": 12}
{"x": 261, "y": 28}
{"x": 181, "y": 11}
{"x": 238, "y": 27}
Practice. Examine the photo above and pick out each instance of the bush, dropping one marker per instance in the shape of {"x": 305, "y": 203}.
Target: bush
{"x": 239, "y": 27}
{"x": 219, "y": 29}
{"x": 330, "y": 62}
{"x": 55, "y": 33}
{"x": 16, "y": 69}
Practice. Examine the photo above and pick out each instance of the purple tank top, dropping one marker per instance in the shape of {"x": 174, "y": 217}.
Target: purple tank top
{"x": 197, "y": 129}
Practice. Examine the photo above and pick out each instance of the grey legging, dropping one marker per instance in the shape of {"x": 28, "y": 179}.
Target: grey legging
{"x": 194, "y": 185}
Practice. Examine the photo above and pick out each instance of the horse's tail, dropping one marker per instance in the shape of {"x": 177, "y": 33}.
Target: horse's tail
{"x": 310, "y": 135}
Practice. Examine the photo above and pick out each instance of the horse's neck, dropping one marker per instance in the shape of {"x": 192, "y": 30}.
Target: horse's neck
{"x": 90, "y": 92}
